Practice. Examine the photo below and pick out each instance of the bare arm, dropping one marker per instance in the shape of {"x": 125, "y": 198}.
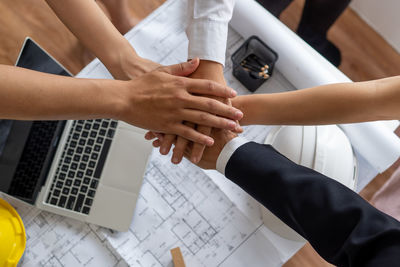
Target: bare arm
{"x": 328, "y": 104}
{"x": 31, "y": 95}
{"x": 92, "y": 27}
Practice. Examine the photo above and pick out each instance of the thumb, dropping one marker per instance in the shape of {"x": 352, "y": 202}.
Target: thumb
{"x": 182, "y": 69}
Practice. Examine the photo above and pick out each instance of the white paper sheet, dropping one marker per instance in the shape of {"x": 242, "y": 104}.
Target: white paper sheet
{"x": 57, "y": 241}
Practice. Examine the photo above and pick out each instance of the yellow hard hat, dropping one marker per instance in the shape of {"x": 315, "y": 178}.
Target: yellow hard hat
{"x": 12, "y": 235}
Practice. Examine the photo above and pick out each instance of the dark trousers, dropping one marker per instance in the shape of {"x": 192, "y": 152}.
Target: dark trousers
{"x": 318, "y": 15}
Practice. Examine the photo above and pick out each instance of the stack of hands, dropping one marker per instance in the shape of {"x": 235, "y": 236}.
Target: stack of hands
{"x": 180, "y": 104}
{"x": 186, "y": 105}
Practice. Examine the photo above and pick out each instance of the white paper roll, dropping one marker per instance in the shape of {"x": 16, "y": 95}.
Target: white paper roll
{"x": 304, "y": 67}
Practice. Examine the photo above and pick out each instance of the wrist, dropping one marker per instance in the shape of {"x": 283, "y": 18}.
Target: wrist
{"x": 231, "y": 143}
{"x": 129, "y": 65}
{"x": 227, "y": 136}
{"x": 256, "y": 109}
{"x": 123, "y": 64}
{"x": 210, "y": 70}
{"x": 113, "y": 99}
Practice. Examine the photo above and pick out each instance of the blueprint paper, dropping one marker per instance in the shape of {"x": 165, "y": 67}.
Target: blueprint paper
{"x": 53, "y": 240}
{"x": 181, "y": 206}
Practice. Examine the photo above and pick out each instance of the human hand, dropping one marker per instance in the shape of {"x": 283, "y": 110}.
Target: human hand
{"x": 172, "y": 99}
{"x": 139, "y": 67}
{"x": 207, "y": 70}
{"x": 210, "y": 154}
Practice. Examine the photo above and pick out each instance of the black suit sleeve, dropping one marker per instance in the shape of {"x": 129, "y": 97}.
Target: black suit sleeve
{"x": 341, "y": 226}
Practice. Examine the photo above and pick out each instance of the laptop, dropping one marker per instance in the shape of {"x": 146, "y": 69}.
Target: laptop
{"x": 89, "y": 170}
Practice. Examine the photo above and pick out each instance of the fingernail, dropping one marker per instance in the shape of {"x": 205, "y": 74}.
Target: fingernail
{"x": 175, "y": 160}
{"x": 195, "y": 160}
{"x": 209, "y": 141}
{"x": 163, "y": 150}
{"x": 233, "y": 92}
{"x": 239, "y": 114}
{"x": 232, "y": 124}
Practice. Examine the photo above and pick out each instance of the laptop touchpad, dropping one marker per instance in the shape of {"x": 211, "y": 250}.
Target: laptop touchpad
{"x": 126, "y": 161}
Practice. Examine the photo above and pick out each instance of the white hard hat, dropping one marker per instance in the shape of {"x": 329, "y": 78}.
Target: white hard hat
{"x": 326, "y": 149}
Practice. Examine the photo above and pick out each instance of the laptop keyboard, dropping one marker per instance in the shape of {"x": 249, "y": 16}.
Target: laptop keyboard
{"x": 79, "y": 170}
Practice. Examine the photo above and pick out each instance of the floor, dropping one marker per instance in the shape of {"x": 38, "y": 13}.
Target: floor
{"x": 21, "y": 18}
{"x": 365, "y": 56}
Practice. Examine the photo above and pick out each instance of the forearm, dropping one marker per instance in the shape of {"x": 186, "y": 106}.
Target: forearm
{"x": 92, "y": 27}
{"x": 328, "y": 104}
{"x": 31, "y": 95}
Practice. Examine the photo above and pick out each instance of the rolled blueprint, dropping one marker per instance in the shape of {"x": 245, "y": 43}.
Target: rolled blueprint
{"x": 304, "y": 67}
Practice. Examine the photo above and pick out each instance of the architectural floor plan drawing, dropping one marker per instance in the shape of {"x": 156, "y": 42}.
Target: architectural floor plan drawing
{"x": 181, "y": 206}
{"x": 53, "y": 240}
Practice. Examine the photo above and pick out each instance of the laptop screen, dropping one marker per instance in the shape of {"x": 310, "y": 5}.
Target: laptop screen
{"x": 34, "y": 58}
{"x": 26, "y": 146}
{"x": 5, "y": 126}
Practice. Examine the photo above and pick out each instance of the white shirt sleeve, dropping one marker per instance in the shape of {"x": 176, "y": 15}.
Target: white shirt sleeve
{"x": 228, "y": 151}
{"x": 207, "y": 28}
